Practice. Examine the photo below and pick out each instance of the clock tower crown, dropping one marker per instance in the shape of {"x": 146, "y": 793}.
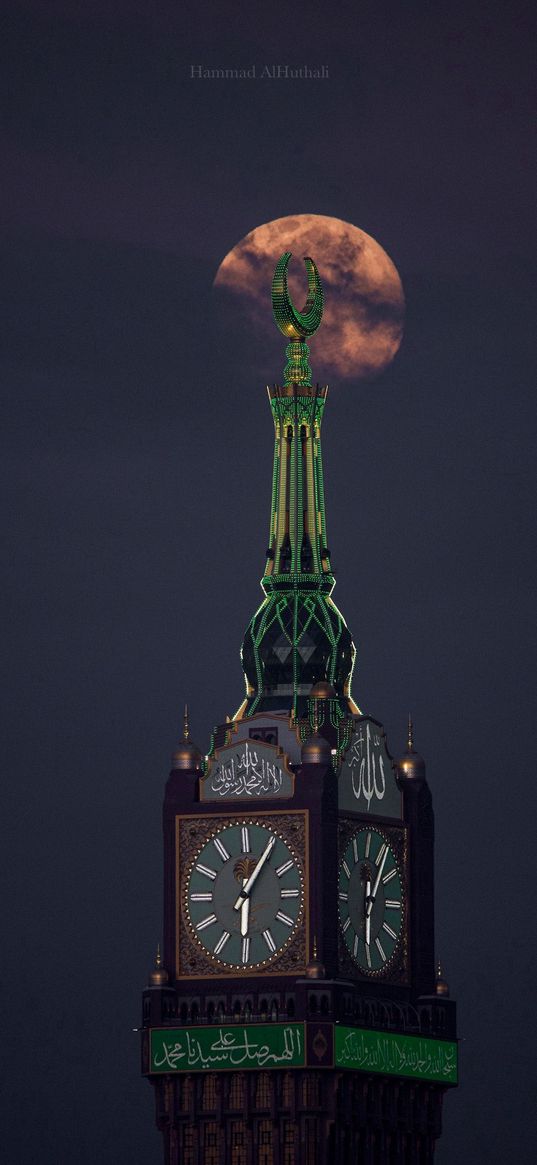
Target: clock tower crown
{"x": 298, "y": 637}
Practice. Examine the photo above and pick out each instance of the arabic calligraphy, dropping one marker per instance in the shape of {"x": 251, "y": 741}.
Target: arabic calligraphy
{"x": 367, "y": 764}
{"x": 248, "y": 773}
{"x": 396, "y": 1055}
{"x": 259, "y": 1046}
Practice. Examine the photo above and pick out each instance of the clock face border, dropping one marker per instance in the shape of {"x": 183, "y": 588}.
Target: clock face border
{"x": 397, "y": 968}
{"x": 192, "y": 832}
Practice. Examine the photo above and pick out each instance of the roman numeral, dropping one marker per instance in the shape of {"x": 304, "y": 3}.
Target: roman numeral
{"x": 269, "y": 941}
{"x": 389, "y": 930}
{"x": 283, "y": 869}
{"x": 206, "y": 922}
{"x": 201, "y": 897}
{"x": 346, "y": 868}
{"x": 289, "y": 893}
{"x": 355, "y": 945}
{"x": 380, "y": 854}
{"x": 346, "y": 925}
{"x": 344, "y": 897}
{"x": 245, "y": 840}
{"x": 380, "y": 950}
{"x": 245, "y": 950}
{"x": 284, "y": 918}
{"x": 221, "y": 849}
{"x": 367, "y": 845}
{"x": 355, "y": 848}
{"x": 207, "y": 871}
{"x": 222, "y": 942}
{"x": 388, "y": 877}
{"x": 393, "y": 904}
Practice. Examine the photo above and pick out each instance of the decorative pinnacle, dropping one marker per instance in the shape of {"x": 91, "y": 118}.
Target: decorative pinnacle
{"x": 410, "y": 739}
{"x": 439, "y": 973}
{"x": 186, "y": 728}
{"x": 158, "y": 960}
{"x": 297, "y": 325}
{"x": 315, "y": 947}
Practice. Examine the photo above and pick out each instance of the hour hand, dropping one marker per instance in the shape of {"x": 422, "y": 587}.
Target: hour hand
{"x": 367, "y": 912}
{"x": 376, "y": 886}
{"x": 245, "y": 913}
{"x": 247, "y": 886}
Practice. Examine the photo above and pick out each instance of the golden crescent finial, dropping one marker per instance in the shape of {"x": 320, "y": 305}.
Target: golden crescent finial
{"x": 296, "y": 325}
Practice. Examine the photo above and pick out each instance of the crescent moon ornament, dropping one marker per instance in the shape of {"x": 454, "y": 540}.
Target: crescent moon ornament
{"x": 296, "y": 325}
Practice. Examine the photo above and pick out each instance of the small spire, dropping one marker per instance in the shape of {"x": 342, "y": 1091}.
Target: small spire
{"x": 315, "y": 969}
{"x": 158, "y": 976}
{"x": 186, "y": 755}
{"x": 441, "y": 986}
{"x": 410, "y": 739}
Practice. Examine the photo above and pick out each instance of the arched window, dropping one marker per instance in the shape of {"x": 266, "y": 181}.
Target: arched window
{"x": 311, "y": 1142}
{"x": 211, "y": 1143}
{"x": 289, "y": 1143}
{"x": 287, "y": 1090}
{"x": 190, "y": 1145}
{"x": 186, "y": 1093}
{"x": 239, "y": 1148}
{"x": 236, "y": 1091}
{"x": 266, "y": 1154}
{"x": 210, "y": 1092}
{"x": 310, "y": 1090}
{"x": 263, "y": 1091}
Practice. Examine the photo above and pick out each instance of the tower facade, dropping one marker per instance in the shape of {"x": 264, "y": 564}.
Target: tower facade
{"x": 296, "y": 1015}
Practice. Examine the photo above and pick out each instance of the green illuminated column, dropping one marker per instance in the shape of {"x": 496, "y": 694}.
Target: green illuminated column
{"x": 298, "y": 525}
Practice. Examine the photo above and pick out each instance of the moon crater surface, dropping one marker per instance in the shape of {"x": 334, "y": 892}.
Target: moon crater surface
{"x": 364, "y": 303}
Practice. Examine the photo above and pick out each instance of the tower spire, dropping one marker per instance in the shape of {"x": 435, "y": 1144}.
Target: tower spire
{"x": 410, "y": 736}
{"x": 297, "y": 637}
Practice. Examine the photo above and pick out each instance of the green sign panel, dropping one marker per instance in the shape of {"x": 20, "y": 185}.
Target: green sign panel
{"x": 395, "y": 1055}
{"x": 193, "y": 1049}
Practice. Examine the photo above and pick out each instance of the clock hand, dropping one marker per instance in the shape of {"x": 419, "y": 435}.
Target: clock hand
{"x": 376, "y": 886}
{"x": 245, "y": 911}
{"x": 247, "y": 886}
{"x": 366, "y": 910}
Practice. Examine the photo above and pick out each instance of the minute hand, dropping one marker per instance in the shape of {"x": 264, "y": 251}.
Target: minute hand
{"x": 245, "y": 892}
{"x": 373, "y": 894}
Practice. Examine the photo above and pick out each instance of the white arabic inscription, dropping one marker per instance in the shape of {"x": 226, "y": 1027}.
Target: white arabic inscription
{"x": 397, "y": 1056}
{"x": 246, "y": 774}
{"x": 368, "y": 777}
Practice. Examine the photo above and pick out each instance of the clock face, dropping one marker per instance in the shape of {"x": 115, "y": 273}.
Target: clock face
{"x": 244, "y": 894}
{"x": 371, "y": 901}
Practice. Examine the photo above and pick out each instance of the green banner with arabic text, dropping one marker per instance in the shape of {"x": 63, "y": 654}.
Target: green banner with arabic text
{"x": 194, "y": 1049}
{"x": 396, "y": 1055}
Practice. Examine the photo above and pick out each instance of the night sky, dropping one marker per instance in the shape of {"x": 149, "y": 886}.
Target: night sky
{"x": 137, "y": 462}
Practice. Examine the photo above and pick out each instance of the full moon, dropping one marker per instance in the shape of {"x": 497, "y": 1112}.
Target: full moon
{"x": 364, "y": 303}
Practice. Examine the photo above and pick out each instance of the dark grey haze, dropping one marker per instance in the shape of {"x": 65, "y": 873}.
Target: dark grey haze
{"x": 137, "y": 460}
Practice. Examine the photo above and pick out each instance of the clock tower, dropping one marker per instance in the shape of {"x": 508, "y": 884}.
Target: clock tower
{"x": 297, "y": 1015}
